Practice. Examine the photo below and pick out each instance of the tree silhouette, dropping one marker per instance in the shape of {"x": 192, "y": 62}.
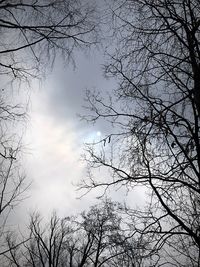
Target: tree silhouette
{"x": 94, "y": 238}
{"x": 32, "y": 33}
{"x": 154, "y": 112}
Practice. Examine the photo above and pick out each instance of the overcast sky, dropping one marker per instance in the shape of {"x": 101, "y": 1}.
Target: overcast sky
{"x": 55, "y": 137}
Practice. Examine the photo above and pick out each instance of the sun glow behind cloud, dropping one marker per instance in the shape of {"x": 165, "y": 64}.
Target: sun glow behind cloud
{"x": 54, "y": 160}
{"x": 55, "y": 139}
{"x": 54, "y": 164}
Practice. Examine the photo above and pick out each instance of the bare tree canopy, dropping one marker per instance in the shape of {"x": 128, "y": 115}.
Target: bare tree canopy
{"x": 95, "y": 238}
{"x": 32, "y": 33}
{"x": 155, "y": 115}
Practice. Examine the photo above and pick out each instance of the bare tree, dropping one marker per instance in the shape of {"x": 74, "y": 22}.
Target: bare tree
{"x": 43, "y": 247}
{"x": 154, "y": 111}
{"x": 94, "y": 238}
{"x": 12, "y": 177}
{"x": 103, "y": 224}
{"x": 32, "y": 33}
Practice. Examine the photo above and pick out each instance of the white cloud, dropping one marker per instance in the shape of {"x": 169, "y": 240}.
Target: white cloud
{"x": 54, "y": 163}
